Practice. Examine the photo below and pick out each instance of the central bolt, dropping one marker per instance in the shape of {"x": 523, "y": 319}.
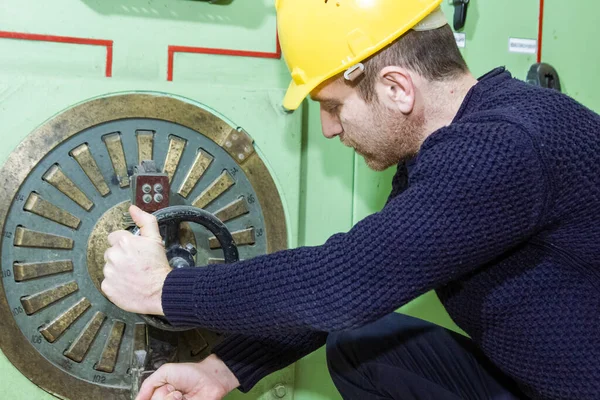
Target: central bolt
{"x": 279, "y": 391}
{"x": 191, "y": 249}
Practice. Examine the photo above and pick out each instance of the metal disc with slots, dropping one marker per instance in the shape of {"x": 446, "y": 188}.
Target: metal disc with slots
{"x": 67, "y": 186}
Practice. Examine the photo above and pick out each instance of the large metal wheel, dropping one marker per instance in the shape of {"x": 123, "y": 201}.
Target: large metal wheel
{"x": 67, "y": 186}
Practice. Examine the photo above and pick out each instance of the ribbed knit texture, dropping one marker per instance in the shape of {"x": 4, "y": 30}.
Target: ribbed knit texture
{"x": 500, "y": 214}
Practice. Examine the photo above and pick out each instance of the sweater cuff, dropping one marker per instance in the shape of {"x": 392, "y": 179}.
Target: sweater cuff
{"x": 178, "y": 296}
{"x": 247, "y": 359}
{"x": 252, "y": 358}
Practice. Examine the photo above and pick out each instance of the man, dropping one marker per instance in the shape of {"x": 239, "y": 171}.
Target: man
{"x": 495, "y": 205}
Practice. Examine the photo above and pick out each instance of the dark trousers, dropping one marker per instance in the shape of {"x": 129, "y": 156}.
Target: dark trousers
{"x": 401, "y": 357}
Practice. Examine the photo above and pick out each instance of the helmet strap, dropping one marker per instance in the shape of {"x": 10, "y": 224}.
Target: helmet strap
{"x": 354, "y": 72}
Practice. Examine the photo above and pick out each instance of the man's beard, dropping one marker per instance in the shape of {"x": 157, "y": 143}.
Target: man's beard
{"x": 398, "y": 138}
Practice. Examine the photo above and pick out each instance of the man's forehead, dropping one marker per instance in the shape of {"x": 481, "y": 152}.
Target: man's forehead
{"x": 326, "y": 92}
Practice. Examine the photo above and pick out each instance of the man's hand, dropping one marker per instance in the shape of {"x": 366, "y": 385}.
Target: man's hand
{"x": 207, "y": 380}
{"x": 136, "y": 267}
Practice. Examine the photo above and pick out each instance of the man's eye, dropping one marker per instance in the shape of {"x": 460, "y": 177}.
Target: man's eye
{"x": 333, "y": 109}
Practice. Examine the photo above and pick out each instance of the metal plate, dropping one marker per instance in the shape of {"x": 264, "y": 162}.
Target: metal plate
{"x": 56, "y": 327}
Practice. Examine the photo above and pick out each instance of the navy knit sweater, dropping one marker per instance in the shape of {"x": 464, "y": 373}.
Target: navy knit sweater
{"x": 500, "y": 213}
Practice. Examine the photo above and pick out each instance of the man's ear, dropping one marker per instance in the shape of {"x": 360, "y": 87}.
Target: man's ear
{"x": 396, "y": 89}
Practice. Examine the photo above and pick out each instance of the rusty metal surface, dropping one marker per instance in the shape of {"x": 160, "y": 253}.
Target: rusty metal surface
{"x": 268, "y": 197}
{"x": 140, "y": 337}
{"x": 54, "y": 329}
{"x": 86, "y": 161}
{"x": 27, "y": 238}
{"x": 56, "y": 177}
{"x": 35, "y": 302}
{"x": 201, "y": 164}
{"x": 117, "y": 157}
{"x": 108, "y": 359}
{"x": 239, "y": 145}
{"x": 145, "y": 141}
{"x": 214, "y": 190}
{"x": 81, "y": 345}
{"x": 50, "y": 135}
{"x": 241, "y": 238}
{"x": 232, "y": 210}
{"x": 26, "y": 271}
{"x": 176, "y": 147}
{"x": 43, "y": 208}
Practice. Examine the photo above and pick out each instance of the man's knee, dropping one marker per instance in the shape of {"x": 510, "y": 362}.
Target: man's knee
{"x": 335, "y": 353}
{"x": 348, "y": 349}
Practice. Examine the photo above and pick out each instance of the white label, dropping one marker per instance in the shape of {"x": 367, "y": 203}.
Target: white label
{"x": 461, "y": 39}
{"x": 528, "y": 46}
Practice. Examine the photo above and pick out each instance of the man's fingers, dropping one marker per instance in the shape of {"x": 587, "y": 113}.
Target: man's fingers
{"x": 156, "y": 380}
{"x": 174, "y": 396}
{"x": 162, "y": 393}
{"x": 115, "y": 236}
{"x": 146, "y": 222}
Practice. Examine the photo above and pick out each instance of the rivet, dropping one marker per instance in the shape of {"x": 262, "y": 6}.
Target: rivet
{"x": 228, "y": 144}
{"x": 146, "y": 188}
{"x": 158, "y": 188}
{"x": 279, "y": 391}
{"x": 147, "y": 198}
{"x": 158, "y": 197}
{"x": 247, "y": 149}
{"x": 234, "y": 136}
{"x": 241, "y": 156}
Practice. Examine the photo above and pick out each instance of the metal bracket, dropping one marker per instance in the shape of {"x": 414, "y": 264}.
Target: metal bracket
{"x": 460, "y": 13}
{"x": 138, "y": 371}
{"x": 150, "y": 188}
{"x": 544, "y": 75}
{"x": 239, "y": 145}
{"x": 145, "y": 361}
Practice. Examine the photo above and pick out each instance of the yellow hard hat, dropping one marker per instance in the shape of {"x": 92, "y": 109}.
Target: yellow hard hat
{"x": 322, "y": 38}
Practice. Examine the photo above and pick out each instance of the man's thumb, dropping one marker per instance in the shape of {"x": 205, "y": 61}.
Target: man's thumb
{"x": 146, "y": 222}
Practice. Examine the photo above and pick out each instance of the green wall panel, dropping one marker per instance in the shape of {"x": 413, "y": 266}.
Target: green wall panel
{"x": 489, "y": 26}
{"x": 570, "y": 44}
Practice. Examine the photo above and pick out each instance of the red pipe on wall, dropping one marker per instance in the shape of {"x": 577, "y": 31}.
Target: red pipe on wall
{"x": 66, "y": 39}
{"x": 540, "y": 31}
{"x": 225, "y": 52}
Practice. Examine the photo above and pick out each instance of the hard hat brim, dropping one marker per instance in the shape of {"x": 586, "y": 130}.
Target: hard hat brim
{"x": 295, "y": 95}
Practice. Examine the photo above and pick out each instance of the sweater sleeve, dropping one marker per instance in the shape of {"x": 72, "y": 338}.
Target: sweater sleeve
{"x": 475, "y": 192}
{"x": 251, "y": 358}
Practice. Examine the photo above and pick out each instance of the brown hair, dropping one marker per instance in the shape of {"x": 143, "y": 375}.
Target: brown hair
{"x": 433, "y": 54}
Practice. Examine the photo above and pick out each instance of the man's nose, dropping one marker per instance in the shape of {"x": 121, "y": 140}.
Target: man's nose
{"x": 331, "y": 125}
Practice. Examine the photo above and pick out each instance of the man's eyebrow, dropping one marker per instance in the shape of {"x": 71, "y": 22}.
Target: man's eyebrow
{"x": 327, "y": 103}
